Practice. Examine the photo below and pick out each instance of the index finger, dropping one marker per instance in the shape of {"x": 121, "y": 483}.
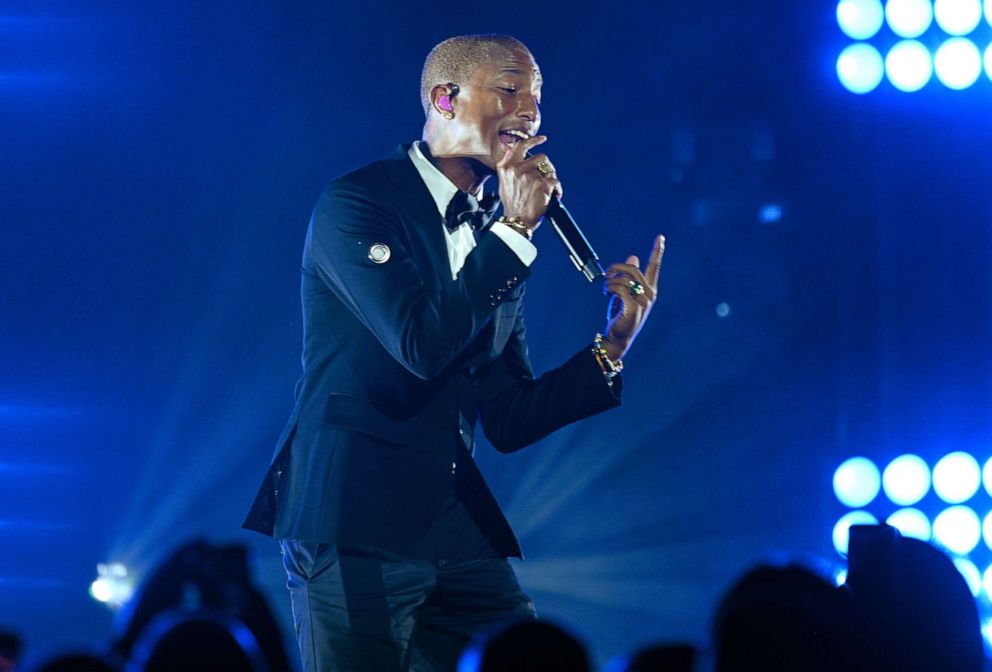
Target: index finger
{"x": 519, "y": 150}
{"x": 654, "y": 263}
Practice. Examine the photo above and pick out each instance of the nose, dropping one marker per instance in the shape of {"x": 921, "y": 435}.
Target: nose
{"x": 529, "y": 109}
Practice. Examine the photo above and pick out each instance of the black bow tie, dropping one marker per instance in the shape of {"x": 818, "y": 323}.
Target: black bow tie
{"x": 465, "y": 209}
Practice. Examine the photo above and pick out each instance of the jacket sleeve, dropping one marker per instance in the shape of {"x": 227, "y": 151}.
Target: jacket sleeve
{"x": 517, "y": 410}
{"x": 423, "y": 330}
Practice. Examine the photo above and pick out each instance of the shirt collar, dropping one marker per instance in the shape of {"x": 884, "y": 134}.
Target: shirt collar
{"x": 442, "y": 189}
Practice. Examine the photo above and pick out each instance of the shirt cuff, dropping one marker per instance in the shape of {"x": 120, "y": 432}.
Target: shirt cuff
{"x": 522, "y": 247}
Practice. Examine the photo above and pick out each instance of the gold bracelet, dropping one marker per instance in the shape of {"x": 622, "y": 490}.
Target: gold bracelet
{"x": 515, "y": 224}
{"x": 610, "y": 368}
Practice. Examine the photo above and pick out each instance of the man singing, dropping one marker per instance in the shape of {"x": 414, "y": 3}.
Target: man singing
{"x": 395, "y": 549}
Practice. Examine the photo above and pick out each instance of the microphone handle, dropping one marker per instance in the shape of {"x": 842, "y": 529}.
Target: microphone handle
{"x": 579, "y": 250}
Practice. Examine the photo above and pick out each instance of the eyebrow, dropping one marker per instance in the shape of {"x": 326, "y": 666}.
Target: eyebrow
{"x": 518, "y": 71}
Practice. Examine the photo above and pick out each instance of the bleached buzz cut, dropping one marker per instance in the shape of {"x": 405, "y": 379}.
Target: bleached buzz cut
{"x": 457, "y": 58}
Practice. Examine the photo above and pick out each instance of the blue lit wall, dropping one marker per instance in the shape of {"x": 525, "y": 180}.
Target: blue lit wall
{"x": 825, "y": 293}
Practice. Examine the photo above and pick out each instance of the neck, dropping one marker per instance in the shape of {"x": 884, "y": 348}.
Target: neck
{"x": 467, "y": 174}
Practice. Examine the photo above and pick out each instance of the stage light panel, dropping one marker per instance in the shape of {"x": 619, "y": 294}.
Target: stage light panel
{"x": 857, "y": 482}
{"x": 860, "y": 19}
{"x": 908, "y": 66}
{"x": 988, "y": 11}
{"x": 987, "y": 580}
{"x": 987, "y": 530}
{"x": 843, "y": 526}
{"x": 911, "y": 523}
{"x": 957, "y": 63}
{"x": 971, "y": 575}
{"x": 957, "y": 17}
{"x": 909, "y": 18}
{"x": 988, "y": 73}
{"x": 956, "y": 477}
{"x": 958, "y": 529}
{"x": 860, "y": 68}
{"x": 987, "y": 469}
{"x": 906, "y": 480}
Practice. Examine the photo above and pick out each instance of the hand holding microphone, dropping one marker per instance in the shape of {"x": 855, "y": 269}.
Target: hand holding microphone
{"x": 533, "y": 181}
{"x": 529, "y": 188}
{"x": 526, "y": 183}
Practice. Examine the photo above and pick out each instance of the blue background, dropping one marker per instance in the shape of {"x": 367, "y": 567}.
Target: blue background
{"x": 158, "y": 163}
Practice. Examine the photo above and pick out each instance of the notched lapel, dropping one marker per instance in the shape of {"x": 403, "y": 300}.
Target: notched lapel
{"x": 420, "y": 215}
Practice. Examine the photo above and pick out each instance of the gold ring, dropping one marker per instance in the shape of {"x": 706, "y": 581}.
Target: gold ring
{"x": 636, "y": 288}
{"x": 545, "y": 169}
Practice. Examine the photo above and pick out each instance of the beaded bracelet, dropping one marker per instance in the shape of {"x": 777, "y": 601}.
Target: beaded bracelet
{"x": 610, "y": 368}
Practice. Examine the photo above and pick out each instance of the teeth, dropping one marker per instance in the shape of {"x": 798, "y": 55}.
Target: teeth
{"x": 519, "y": 134}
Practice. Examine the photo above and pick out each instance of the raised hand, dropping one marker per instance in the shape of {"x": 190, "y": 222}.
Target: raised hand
{"x": 526, "y": 183}
{"x": 632, "y": 294}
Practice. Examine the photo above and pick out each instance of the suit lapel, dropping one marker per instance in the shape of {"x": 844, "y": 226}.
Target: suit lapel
{"x": 425, "y": 225}
{"x": 420, "y": 213}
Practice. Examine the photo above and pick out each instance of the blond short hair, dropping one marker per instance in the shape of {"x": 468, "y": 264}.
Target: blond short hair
{"x": 457, "y": 58}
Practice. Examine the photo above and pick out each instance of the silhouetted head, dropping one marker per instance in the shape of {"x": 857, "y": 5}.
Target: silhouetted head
{"x": 786, "y": 619}
{"x": 196, "y": 642}
{"x": 526, "y": 646}
{"x": 77, "y": 662}
{"x": 914, "y": 602}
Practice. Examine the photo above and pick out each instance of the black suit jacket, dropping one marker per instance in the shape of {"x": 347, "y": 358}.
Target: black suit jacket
{"x": 399, "y": 363}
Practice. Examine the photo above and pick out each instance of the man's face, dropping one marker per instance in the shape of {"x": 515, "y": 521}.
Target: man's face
{"x": 498, "y": 107}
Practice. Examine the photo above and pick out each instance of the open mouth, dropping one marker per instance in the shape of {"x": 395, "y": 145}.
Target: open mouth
{"x": 512, "y": 136}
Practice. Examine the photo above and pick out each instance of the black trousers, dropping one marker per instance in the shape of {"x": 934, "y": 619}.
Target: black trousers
{"x": 357, "y": 612}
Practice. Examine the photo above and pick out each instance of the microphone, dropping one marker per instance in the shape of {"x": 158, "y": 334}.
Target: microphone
{"x": 579, "y": 250}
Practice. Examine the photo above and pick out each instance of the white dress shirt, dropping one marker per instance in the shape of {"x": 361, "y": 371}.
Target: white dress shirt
{"x": 461, "y": 241}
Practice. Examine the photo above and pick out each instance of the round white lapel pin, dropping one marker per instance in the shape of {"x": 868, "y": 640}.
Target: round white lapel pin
{"x": 379, "y": 253}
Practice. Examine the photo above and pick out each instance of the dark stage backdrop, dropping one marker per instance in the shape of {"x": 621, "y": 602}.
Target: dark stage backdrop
{"x": 158, "y": 162}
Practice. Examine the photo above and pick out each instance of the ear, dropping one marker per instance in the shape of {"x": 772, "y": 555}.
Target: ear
{"x": 441, "y": 99}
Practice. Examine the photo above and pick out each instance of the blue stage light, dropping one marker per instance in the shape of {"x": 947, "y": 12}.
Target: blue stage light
{"x": 971, "y": 575}
{"x": 911, "y": 523}
{"x": 987, "y": 530}
{"x": 987, "y": 580}
{"x": 112, "y": 585}
{"x": 957, "y": 17}
{"x": 906, "y": 480}
{"x": 958, "y": 63}
{"x": 857, "y": 482}
{"x": 956, "y": 477}
{"x": 860, "y": 68}
{"x": 860, "y": 19}
{"x": 987, "y": 469}
{"x": 988, "y": 73}
{"x": 840, "y": 577}
{"x": 908, "y": 66}
{"x": 769, "y": 213}
{"x": 957, "y": 529}
{"x": 843, "y": 526}
{"x": 988, "y": 11}
{"x": 909, "y": 18}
